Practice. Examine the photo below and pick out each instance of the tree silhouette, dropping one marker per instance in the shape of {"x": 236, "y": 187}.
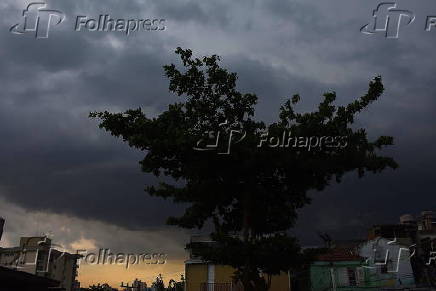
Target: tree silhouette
{"x": 173, "y": 285}
{"x": 250, "y": 190}
{"x": 158, "y": 284}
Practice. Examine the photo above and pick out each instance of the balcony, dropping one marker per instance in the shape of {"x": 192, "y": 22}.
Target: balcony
{"x": 219, "y": 287}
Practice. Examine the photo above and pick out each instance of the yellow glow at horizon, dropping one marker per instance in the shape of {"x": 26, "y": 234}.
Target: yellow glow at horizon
{"x": 115, "y": 274}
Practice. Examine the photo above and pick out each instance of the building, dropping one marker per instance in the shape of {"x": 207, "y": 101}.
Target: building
{"x": 12, "y": 280}
{"x": 424, "y": 263}
{"x": 387, "y": 264}
{"x": 38, "y": 256}
{"x": 376, "y": 264}
{"x": 100, "y": 287}
{"x": 201, "y": 275}
{"x": 404, "y": 233}
{"x": 338, "y": 269}
{"x": 409, "y": 230}
{"x": 137, "y": 285}
{"x": 418, "y": 234}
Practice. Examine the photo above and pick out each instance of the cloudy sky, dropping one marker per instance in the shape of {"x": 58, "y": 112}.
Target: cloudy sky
{"x": 62, "y": 175}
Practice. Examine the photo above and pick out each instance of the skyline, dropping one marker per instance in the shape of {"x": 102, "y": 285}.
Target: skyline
{"x": 63, "y": 175}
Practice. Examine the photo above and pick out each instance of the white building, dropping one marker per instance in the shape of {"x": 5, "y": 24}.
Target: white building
{"x": 388, "y": 262}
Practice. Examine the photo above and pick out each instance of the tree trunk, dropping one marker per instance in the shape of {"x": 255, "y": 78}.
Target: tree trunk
{"x": 250, "y": 276}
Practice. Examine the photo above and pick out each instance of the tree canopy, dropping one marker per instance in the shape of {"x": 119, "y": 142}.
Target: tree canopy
{"x": 251, "y": 182}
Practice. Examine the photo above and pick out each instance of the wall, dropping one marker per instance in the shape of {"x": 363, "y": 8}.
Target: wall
{"x": 195, "y": 274}
{"x": 321, "y": 276}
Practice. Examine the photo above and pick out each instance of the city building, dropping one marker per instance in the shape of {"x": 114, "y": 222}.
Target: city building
{"x": 405, "y": 233}
{"x": 377, "y": 264}
{"x": 137, "y": 285}
{"x": 38, "y": 256}
{"x": 338, "y": 269}
{"x": 419, "y": 235}
{"x": 12, "y": 280}
{"x": 387, "y": 264}
{"x": 201, "y": 275}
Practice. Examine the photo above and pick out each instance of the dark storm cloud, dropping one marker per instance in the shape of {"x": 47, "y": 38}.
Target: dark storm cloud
{"x": 194, "y": 11}
{"x": 54, "y": 158}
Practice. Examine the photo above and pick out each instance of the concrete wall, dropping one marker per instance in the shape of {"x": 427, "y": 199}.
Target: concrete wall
{"x": 223, "y": 274}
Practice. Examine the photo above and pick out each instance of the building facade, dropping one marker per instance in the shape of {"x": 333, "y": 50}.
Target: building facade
{"x": 377, "y": 264}
{"x": 417, "y": 233}
{"x": 387, "y": 264}
{"x": 38, "y": 256}
{"x": 201, "y": 275}
{"x": 338, "y": 269}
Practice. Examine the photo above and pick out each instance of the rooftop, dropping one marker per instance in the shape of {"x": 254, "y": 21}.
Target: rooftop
{"x": 339, "y": 254}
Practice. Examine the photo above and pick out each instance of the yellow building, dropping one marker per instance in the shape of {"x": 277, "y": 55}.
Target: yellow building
{"x": 206, "y": 276}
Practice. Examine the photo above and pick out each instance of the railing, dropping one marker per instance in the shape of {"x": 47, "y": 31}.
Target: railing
{"x": 408, "y": 289}
{"x": 216, "y": 287}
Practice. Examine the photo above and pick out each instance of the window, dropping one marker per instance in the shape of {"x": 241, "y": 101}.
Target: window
{"x": 342, "y": 277}
{"x": 360, "y": 276}
{"x": 352, "y": 276}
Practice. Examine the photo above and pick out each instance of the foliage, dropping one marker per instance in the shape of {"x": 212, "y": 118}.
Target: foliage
{"x": 252, "y": 194}
{"x": 158, "y": 285}
{"x": 176, "y": 286}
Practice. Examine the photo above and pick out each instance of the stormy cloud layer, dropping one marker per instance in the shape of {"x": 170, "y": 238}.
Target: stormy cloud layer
{"x": 55, "y": 159}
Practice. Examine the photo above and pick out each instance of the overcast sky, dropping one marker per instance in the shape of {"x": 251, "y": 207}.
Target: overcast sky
{"x": 63, "y": 175}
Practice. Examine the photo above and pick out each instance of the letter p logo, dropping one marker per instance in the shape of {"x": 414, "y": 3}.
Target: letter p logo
{"x": 388, "y": 19}
{"x": 37, "y": 19}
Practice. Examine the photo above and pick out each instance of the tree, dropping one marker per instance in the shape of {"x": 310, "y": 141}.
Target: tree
{"x": 251, "y": 186}
{"x": 176, "y": 286}
{"x": 158, "y": 285}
